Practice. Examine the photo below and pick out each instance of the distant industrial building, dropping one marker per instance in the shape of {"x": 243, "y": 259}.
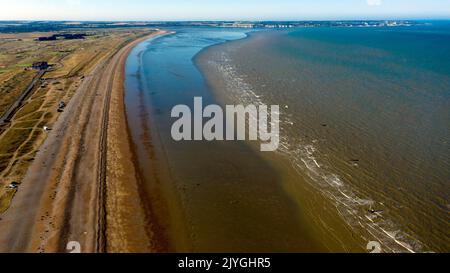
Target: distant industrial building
{"x": 42, "y": 39}
{"x": 65, "y": 36}
{"x": 40, "y": 65}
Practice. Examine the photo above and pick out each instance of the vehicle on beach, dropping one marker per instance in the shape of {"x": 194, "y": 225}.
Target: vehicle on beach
{"x": 13, "y": 185}
{"x": 61, "y": 107}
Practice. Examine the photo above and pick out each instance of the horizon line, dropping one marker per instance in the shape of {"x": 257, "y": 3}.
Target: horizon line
{"x": 229, "y": 20}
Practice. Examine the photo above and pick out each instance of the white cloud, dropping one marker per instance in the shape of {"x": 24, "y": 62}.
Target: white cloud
{"x": 374, "y": 2}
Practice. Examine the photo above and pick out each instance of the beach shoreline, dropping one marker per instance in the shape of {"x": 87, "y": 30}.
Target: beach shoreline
{"x": 164, "y": 213}
{"x": 63, "y": 197}
{"x": 126, "y": 232}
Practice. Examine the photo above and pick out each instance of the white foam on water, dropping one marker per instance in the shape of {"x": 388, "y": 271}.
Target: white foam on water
{"x": 302, "y": 155}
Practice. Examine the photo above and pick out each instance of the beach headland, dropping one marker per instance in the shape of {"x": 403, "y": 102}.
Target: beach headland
{"x": 64, "y": 195}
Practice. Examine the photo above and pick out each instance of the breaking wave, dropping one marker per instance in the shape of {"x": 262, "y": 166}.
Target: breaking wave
{"x": 303, "y": 156}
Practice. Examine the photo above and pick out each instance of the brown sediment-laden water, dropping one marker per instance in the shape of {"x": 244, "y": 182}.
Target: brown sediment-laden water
{"x": 364, "y": 139}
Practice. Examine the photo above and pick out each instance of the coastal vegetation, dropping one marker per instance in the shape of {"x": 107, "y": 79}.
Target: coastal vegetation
{"x": 71, "y": 61}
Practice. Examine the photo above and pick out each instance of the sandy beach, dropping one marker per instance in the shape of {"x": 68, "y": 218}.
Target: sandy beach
{"x": 111, "y": 178}
{"x": 70, "y": 192}
{"x": 126, "y": 232}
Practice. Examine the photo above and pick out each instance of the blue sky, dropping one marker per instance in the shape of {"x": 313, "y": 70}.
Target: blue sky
{"x": 222, "y": 9}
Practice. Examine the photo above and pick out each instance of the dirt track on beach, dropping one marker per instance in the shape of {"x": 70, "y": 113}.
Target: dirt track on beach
{"x": 83, "y": 179}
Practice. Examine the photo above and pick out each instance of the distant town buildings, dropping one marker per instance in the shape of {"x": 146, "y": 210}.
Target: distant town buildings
{"x": 238, "y": 25}
{"x": 302, "y": 24}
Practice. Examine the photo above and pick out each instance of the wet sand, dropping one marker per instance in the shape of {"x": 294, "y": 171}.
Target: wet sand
{"x": 130, "y": 225}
